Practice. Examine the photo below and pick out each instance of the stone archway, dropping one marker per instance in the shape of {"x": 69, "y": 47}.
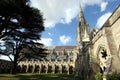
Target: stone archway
{"x": 64, "y": 69}
{"x": 50, "y": 69}
{"x": 71, "y": 70}
{"x": 24, "y": 67}
{"x": 57, "y": 69}
{"x": 37, "y": 69}
{"x": 30, "y": 68}
{"x": 44, "y": 69}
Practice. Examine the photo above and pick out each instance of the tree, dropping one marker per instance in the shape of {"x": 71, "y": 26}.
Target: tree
{"x": 20, "y": 26}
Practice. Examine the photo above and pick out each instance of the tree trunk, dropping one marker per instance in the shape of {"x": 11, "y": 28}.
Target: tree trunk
{"x": 14, "y": 67}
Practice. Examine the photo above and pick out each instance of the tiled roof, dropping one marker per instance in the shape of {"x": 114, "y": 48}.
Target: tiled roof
{"x": 61, "y": 47}
{"x": 65, "y": 47}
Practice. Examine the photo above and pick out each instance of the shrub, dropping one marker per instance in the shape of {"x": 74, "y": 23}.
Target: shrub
{"x": 98, "y": 76}
{"x": 114, "y": 76}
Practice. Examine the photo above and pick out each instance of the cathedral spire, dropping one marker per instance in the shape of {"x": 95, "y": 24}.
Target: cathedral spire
{"x": 83, "y": 29}
{"x": 81, "y": 16}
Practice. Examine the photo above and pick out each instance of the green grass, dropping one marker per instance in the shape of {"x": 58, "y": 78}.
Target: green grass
{"x": 35, "y": 76}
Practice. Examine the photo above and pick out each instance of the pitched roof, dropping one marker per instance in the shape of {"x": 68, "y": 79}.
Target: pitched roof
{"x": 61, "y": 47}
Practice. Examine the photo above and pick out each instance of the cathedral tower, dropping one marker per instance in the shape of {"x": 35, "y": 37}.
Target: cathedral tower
{"x": 82, "y": 30}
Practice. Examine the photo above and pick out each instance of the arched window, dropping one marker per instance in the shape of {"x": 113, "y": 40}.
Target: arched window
{"x": 71, "y": 56}
{"x": 65, "y": 56}
{"x": 53, "y": 55}
{"x": 104, "y": 59}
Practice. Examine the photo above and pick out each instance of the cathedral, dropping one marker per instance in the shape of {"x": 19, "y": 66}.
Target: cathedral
{"x": 97, "y": 50}
{"x": 61, "y": 59}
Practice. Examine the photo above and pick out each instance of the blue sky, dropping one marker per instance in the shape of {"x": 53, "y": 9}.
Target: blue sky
{"x": 62, "y": 18}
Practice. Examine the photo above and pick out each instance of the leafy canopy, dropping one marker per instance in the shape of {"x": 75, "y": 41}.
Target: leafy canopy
{"x": 20, "y": 26}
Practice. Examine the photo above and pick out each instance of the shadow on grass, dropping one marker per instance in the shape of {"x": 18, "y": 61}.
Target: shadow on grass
{"x": 35, "y": 76}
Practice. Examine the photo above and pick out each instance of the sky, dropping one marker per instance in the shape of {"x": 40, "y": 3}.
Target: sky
{"x": 61, "y": 18}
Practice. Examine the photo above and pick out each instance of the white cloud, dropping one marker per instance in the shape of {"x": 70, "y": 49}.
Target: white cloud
{"x": 103, "y": 6}
{"x": 57, "y": 11}
{"x": 1, "y": 41}
{"x": 90, "y": 2}
{"x": 6, "y": 57}
{"x": 45, "y": 41}
{"x": 101, "y": 3}
{"x": 64, "y": 39}
{"x": 101, "y": 20}
{"x": 63, "y": 11}
{"x": 50, "y": 34}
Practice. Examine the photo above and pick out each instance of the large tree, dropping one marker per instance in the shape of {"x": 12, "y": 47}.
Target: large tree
{"x": 20, "y": 26}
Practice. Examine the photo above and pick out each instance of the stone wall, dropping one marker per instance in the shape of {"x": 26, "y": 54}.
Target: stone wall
{"x": 60, "y": 59}
{"x": 105, "y": 46}
{"x": 46, "y": 67}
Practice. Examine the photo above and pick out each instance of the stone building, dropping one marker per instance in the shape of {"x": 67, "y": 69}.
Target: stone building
{"x": 83, "y": 47}
{"x": 105, "y": 46}
{"x": 95, "y": 51}
{"x": 60, "y": 59}
{"x": 101, "y": 53}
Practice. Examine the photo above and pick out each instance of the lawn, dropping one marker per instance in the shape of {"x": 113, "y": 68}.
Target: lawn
{"x": 35, "y": 76}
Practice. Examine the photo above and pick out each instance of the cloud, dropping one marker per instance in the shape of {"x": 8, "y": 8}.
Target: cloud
{"x": 90, "y": 2}
{"x": 1, "y": 41}
{"x": 101, "y": 3}
{"x": 101, "y": 20}
{"x": 50, "y": 34}
{"x": 63, "y": 11}
{"x": 6, "y": 57}
{"x": 57, "y": 11}
{"x": 103, "y": 6}
{"x": 45, "y": 41}
{"x": 64, "y": 39}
